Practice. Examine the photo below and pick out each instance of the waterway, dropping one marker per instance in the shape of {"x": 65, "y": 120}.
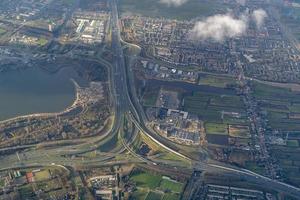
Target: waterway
{"x": 34, "y": 90}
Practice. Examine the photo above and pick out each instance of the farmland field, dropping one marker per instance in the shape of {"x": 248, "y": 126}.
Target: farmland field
{"x": 218, "y": 129}
{"x": 289, "y": 160}
{"x": 216, "y": 81}
{"x": 217, "y": 139}
{"x": 239, "y": 131}
{"x": 210, "y": 106}
{"x": 218, "y": 109}
{"x": 292, "y": 143}
{"x": 189, "y": 10}
{"x": 281, "y": 106}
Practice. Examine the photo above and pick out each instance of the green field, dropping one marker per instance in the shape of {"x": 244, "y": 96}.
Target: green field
{"x": 166, "y": 184}
{"x": 2, "y": 182}
{"x": 150, "y": 96}
{"x": 264, "y": 91}
{"x": 42, "y": 41}
{"x": 171, "y": 196}
{"x": 151, "y": 186}
{"x": 154, "y": 195}
{"x": 218, "y": 129}
{"x": 189, "y": 10}
{"x": 2, "y": 31}
{"x": 53, "y": 184}
{"x": 209, "y": 106}
{"x": 239, "y": 131}
{"x": 42, "y": 175}
{"x": 292, "y": 143}
{"x": 281, "y": 106}
{"x": 295, "y": 107}
{"x": 147, "y": 180}
{"x": 216, "y": 81}
{"x": 140, "y": 194}
{"x": 218, "y": 109}
{"x": 255, "y": 168}
{"x": 289, "y": 161}
{"x": 26, "y": 192}
{"x": 227, "y": 101}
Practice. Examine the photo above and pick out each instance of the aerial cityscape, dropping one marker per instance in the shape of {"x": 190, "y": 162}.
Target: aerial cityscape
{"x": 150, "y": 100}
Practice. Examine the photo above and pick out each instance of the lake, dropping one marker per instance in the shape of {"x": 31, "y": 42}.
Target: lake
{"x": 33, "y": 90}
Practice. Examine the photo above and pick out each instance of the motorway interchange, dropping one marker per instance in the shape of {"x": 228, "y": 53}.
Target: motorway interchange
{"x": 126, "y": 110}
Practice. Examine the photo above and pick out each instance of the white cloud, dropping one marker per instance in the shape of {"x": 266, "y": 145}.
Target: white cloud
{"x": 173, "y": 2}
{"x": 221, "y": 27}
{"x": 259, "y": 17}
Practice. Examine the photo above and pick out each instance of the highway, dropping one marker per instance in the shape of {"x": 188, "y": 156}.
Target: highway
{"x": 126, "y": 106}
{"x": 55, "y": 152}
{"x": 126, "y": 101}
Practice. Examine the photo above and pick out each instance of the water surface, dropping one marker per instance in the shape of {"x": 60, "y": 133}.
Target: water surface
{"x": 35, "y": 91}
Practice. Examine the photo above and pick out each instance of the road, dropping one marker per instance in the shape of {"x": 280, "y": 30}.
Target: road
{"x": 55, "y": 153}
{"x": 125, "y": 102}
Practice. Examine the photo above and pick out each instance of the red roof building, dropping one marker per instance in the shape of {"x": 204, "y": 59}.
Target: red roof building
{"x": 29, "y": 177}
